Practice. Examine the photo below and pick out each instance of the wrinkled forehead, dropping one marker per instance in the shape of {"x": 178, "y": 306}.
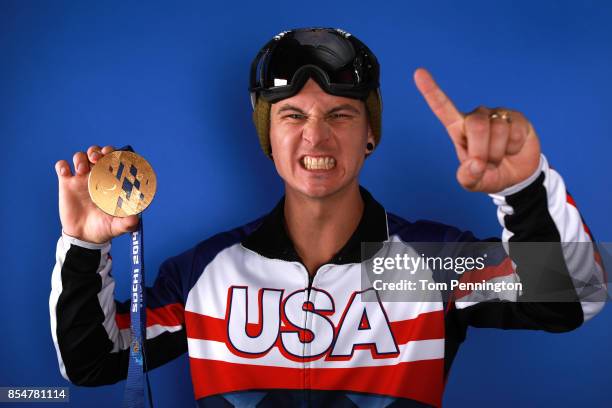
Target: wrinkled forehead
{"x": 313, "y": 97}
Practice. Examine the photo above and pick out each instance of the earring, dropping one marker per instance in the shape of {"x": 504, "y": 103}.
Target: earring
{"x": 370, "y": 147}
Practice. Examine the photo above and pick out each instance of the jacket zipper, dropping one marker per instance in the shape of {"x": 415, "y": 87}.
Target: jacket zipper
{"x": 307, "y": 373}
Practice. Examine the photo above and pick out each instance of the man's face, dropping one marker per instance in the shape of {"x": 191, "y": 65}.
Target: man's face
{"x": 318, "y": 141}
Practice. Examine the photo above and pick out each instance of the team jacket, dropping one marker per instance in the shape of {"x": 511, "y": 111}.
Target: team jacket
{"x": 259, "y": 331}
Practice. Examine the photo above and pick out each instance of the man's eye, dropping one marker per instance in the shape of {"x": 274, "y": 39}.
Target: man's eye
{"x": 295, "y": 116}
{"x": 340, "y": 116}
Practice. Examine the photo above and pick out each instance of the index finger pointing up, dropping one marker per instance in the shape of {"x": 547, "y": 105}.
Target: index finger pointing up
{"x": 437, "y": 100}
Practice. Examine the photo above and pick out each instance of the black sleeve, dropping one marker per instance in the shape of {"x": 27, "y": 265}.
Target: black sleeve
{"x": 553, "y": 257}
{"x": 91, "y": 330}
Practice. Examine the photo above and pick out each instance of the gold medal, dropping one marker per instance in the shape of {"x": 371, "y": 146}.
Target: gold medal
{"x": 122, "y": 183}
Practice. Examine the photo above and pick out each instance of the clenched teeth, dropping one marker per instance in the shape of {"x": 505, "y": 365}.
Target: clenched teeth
{"x": 318, "y": 163}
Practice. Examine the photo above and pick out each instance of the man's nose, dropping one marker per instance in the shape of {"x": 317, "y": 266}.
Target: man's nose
{"x": 316, "y": 131}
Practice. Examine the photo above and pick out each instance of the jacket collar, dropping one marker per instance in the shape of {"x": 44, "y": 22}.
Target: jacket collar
{"x": 272, "y": 241}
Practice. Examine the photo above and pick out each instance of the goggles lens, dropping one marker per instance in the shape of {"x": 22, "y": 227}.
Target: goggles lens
{"x": 339, "y": 60}
{"x": 334, "y": 55}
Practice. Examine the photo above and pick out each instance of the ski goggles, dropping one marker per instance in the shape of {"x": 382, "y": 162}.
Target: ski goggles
{"x": 340, "y": 63}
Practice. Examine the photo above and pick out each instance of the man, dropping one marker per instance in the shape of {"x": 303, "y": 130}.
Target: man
{"x": 271, "y": 312}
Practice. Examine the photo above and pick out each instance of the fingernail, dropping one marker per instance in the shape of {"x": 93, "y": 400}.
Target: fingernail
{"x": 476, "y": 167}
{"x": 62, "y": 171}
{"x": 95, "y": 155}
{"x": 81, "y": 168}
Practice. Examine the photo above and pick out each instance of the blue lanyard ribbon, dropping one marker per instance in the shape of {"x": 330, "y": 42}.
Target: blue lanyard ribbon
{"x": 137, "y": 369}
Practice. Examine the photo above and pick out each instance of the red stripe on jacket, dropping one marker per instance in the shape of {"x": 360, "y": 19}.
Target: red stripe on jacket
{"x": 426, "y": 326}
{"x": 169, "y": 315}
{"x": 417, "y": 380}
{"x": 504, "y": 268}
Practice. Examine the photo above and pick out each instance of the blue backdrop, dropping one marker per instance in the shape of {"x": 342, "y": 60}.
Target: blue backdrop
{"x": 171, "y": 81}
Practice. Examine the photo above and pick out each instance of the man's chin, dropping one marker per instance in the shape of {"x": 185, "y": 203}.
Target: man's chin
{"x": 320, "y": 191}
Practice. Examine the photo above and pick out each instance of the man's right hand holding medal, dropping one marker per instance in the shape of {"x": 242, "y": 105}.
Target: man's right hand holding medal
{"x": 80, "y": 216}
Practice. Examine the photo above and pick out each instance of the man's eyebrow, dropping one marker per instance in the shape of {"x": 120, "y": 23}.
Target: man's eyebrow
{"x": 345, "y": 106}
{"x": 288, "y": 107}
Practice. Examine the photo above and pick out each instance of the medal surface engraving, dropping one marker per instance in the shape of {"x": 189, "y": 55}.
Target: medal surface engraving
{"x": 122, "y": 183}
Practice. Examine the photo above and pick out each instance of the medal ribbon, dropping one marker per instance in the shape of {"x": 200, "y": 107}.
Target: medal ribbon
{"x": 137, "y": 369}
